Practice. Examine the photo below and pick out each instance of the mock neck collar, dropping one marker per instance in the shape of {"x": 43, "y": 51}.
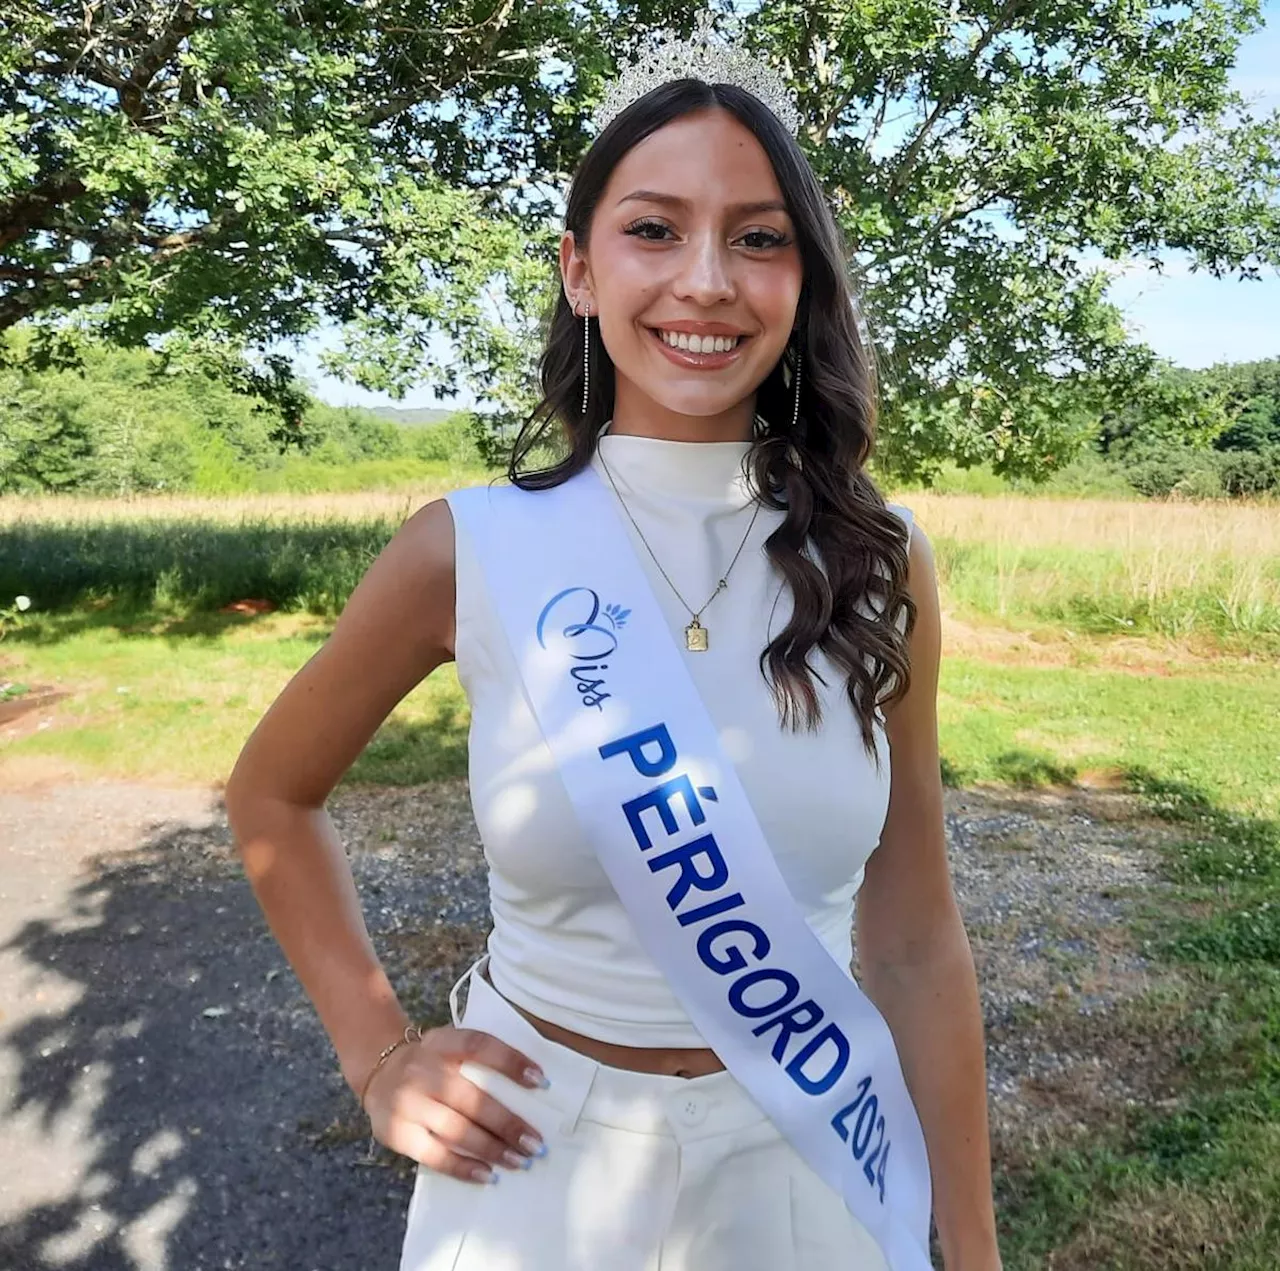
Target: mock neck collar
{"x": 711, "y": 470}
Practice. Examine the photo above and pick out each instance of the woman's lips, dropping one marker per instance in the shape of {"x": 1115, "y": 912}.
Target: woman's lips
{"x": 699, "y": 361}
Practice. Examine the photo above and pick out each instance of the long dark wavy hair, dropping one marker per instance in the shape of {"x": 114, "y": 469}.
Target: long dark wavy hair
{"x": 815, "y": 473}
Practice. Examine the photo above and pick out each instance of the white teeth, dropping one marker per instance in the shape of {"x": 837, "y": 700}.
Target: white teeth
{"x": 699, "y": 344}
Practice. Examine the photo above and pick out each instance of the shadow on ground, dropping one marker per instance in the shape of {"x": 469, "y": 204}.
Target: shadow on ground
{"x": 172, "y": 1101}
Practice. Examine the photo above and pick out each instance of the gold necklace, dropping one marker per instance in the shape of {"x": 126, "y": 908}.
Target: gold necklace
{"x": 695, "y": 634}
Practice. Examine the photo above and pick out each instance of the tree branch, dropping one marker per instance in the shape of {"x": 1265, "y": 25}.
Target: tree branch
{"x": 31, "y": 209}
{"x": 1003, "y": 20}
{"x": 155, "y": 56}
{"x": 174, "y": 242}
{"x": 820, "y": 136}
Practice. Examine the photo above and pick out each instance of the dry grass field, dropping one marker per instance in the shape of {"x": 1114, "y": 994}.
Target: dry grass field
{"x": 1178, "y": 528}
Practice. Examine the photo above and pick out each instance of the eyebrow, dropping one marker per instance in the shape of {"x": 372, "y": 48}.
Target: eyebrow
{"x": 674, "y": 200}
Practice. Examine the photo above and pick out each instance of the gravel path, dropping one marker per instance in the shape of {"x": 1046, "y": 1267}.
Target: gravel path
{"x": 169, "y": 1102}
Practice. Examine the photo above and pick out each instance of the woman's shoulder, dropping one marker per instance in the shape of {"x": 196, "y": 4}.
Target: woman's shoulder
{"x": 425, "y": 551}
{"x": 904, "y": 514}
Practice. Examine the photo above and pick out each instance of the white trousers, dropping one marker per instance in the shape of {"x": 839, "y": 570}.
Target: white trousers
{"x": 643, "y": 1173}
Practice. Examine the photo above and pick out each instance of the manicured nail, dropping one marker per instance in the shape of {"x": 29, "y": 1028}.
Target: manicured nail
{"x": 536, "y": 1077}
{"x": 482, "y": 1174}
{"x": 515, "y": 1160}
{"x": 535, "y": 1147}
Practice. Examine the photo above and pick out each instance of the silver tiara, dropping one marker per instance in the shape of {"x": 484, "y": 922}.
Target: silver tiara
{"x": 715, "y": 62}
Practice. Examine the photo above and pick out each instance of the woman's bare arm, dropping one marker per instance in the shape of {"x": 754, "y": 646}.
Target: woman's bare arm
{"x": 915, "y": 958}
{"x": 397, "y": 627}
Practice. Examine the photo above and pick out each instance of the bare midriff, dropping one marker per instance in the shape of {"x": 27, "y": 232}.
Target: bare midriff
{"x": 670, "y": 1061}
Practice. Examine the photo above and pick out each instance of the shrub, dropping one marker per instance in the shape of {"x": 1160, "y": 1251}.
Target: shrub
{"x": 1250, "y": 473}
{"x": 1162, "y": 469}
{"x": 452, "y": 440}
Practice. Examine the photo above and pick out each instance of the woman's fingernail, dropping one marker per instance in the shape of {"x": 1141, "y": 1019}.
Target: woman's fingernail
{"x": 515, "y": 1160}
{"x": 483, "y": 1174}
{"x": 535, "y": 1147}
{"x": 536, "y": 1077}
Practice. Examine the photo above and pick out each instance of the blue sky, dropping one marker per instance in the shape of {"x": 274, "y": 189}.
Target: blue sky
{"x": 1193, "y": 319}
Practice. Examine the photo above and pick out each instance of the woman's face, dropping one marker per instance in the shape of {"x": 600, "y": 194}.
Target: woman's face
{"x": 691, "y": 234}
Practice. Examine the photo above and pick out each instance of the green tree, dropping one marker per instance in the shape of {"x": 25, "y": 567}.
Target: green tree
{"x": 214, "y": 177}
{"x": 1252, "y": 393}
{"x": 1171, "y": 406}
{"x": 219, "y": 176}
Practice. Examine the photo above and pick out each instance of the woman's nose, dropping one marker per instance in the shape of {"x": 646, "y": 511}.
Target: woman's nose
{"x": 705, "y": 275}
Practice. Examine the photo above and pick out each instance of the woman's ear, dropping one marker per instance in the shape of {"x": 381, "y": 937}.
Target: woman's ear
{"x": 573, "y": 272}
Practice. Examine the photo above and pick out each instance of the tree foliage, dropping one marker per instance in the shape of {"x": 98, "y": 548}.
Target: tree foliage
{"x": 214, "y": 178}
{"x": 115, "y": 427}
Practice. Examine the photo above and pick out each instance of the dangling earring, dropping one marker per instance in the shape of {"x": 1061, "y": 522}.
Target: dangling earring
{"x": 586, "y": 357}
{"x": 795, "y": 414}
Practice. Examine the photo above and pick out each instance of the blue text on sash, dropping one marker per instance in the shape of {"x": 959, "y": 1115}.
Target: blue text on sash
{"x": 700, "y": 889}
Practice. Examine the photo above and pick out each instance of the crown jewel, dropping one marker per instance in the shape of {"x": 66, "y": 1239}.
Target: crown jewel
{"x": 700, "y": 57}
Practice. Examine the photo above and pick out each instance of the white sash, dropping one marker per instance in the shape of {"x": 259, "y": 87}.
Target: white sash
{"x": 668, "y": 817}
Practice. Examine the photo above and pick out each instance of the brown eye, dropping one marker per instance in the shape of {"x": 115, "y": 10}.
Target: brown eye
{"x": 770, "y": 239}
{"x": 637, "y": 228}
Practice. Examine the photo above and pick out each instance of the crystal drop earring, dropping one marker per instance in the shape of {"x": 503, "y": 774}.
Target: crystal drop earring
{"x": 795, "y": 414}
{"x": 586, "y": 357}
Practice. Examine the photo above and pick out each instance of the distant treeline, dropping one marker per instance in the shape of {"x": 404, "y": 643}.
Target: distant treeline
{"x": 118, "y": 430}
{"x": 1159, "y": 453}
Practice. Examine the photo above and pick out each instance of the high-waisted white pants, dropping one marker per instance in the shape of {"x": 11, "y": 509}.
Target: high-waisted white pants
{"x": 643, "y": 1173}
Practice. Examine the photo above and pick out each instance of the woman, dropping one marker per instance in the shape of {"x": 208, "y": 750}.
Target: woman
{"x": 576, "y": 1079}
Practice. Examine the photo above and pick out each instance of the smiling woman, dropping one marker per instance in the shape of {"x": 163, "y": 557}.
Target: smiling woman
{"x": 716, "y": 239}
{"x": 664, "y": 1054}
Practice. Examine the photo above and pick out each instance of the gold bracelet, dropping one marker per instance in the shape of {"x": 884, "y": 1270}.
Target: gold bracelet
{"x": 382, "y": 1059}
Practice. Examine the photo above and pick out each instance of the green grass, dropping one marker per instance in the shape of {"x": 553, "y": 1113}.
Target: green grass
{"x": 208, "y": 677}
{"x": 188, "y": 567}
{"x": 1197, "y": 1185}
{"x": 1030, "y": 725}
{"x": 174, "y": 699}
{"x": 1110, "y": 592}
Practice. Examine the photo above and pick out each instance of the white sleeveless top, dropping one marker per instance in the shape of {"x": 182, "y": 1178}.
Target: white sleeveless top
{"x": 562, "y": 945}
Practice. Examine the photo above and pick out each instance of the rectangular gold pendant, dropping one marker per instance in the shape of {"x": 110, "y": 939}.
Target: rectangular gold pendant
{"x": 695, "y": 637}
